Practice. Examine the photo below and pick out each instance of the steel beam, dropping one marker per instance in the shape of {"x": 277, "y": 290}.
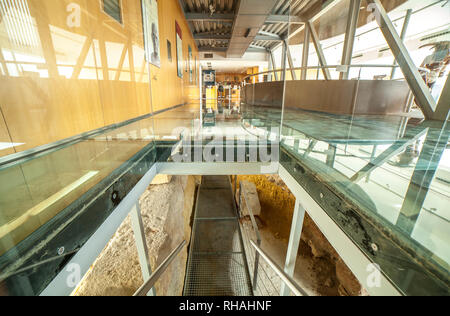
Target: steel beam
{"x": 270, "y": 34}
{"x": 191, "y": 27}
{"x": 402, "y": 36}
{"x": 305, "y": 54}
{"x": 283, "y": 62}
{"x": 352, "y": 23}
{"x": 319, "y": 50}
{"x": 393, "y": 150}
{"x": 418, "y": 87}
{"x": 274, "y": 65}
{"x": 290, "y": 61}
{"x": 350, "y": 253}
{"x": 139, "y": 236}
{"x": 296, "y": 289}
{"x": 267, "y": 38}
{"x": 277, "y": 18}
{"x": 294, "y": 244}
{"x": 442, "y": 108}
{"x": 425, "y": 171}
{"x": 212, "y": 36}
{"x": 212, "y": 49}
{"x": 270, "y": 74}
{"x": 90, "y": 251}
{"x": 227, "y": 17}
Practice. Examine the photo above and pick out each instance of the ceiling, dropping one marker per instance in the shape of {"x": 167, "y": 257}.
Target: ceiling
{"x": 212, "y": 21}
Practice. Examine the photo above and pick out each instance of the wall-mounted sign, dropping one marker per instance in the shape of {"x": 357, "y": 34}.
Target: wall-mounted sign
{"x": 179, "y": 36}
{"x": 191, "y": 70}
{"x": 209, "y": 77}
{"x": 151, "y": 31}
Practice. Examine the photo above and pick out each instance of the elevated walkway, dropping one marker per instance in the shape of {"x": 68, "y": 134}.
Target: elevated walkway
{"x": 217, "y": 264}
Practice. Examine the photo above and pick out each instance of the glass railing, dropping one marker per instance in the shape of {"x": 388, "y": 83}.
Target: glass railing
{"x": 376, "y": 167}
{"x": 384, "y": 181}
{"x": 53, "y": 201}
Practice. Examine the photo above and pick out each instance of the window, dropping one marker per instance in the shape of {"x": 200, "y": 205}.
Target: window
{"x": 113, "y": 9}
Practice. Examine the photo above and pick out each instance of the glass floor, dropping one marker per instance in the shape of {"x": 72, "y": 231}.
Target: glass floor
{"x": 383, "y": 180}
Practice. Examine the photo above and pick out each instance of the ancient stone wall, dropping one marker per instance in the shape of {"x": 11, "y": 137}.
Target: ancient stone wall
{"x": 277, "y": 208}
{"x": 166, "y": 212}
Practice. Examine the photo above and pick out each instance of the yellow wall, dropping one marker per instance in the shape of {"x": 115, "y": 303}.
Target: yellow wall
{"x": 168, "y": 89}
{"x": 229, "y": 77}
{"x": 58, "y": 80}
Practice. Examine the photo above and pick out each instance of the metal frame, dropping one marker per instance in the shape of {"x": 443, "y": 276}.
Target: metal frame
{"x": 442, "y": 109}
{"x": 271, "y": 66}
{"x": 305, "y": 54}
{"x": 290, "y": 61}
{"x": 352, "y": 23}
{"x": 141, "y": 245}
{"x": 403, "y": 35}
{"x": 255, "y": 228}
{"x": 349, "y": 252}
{"x": 274, "y": 65}
{"x": 294, "y": 244}
{"x": 293, "y": 286}
{"x": 149, "y": 284}
{"x": 412, "y": 75}
{"x": 319, "y": 50}
{"x": 94, "y": 246}
{"x": 283, "y": 61}
{"x": 217, "y": 169}
{"x": 353, "y": 257}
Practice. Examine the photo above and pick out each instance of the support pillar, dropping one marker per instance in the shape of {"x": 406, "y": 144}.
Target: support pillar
{"x": 294, "y": 243}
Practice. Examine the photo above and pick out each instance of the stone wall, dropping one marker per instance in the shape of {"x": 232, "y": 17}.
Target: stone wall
{"x": 166, "y": 212}
{"x": 277, "y": 208}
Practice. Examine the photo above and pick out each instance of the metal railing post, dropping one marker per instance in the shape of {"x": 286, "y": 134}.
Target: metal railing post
{"x": 290, "y": 61}
{"x": 275, "y": 74}
{"x": 402, "y": 36}
{"x": 293, "y": 286}
{"x": 294, "y": 243}
{"x": 149, "y": 284}
{"x": 305, "y": 54}
{"x": 319, "y": 50}
{"x": 141, "y": 244}
{"x": 258, "y": 236}
{"x": 352, "y": 22}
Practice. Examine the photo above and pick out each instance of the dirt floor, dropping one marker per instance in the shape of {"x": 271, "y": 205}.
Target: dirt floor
{"x": 319, "y": 268}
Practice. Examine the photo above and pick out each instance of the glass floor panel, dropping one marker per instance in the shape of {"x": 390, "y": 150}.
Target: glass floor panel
{"x": 383, "y": 180}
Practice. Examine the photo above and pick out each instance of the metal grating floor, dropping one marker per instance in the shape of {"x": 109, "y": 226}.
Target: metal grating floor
{"x": 217, "y": 265}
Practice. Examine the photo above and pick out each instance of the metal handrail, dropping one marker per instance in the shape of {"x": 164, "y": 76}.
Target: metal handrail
{"x": 323, "y": 67}
{"x": 255, "y": 228}
{"x": 297, "y": 290}
{"x": 293, "y": 286}
{"x": 148, "y": 285}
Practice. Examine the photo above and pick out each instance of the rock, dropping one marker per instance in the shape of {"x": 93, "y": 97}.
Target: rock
{"x": 329, "y": 282}
{"x": 166, "y": 213}
{"x": 251, "y": 197}
{"x": 161, "y": 179}
{"x": 347, "y": 280}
